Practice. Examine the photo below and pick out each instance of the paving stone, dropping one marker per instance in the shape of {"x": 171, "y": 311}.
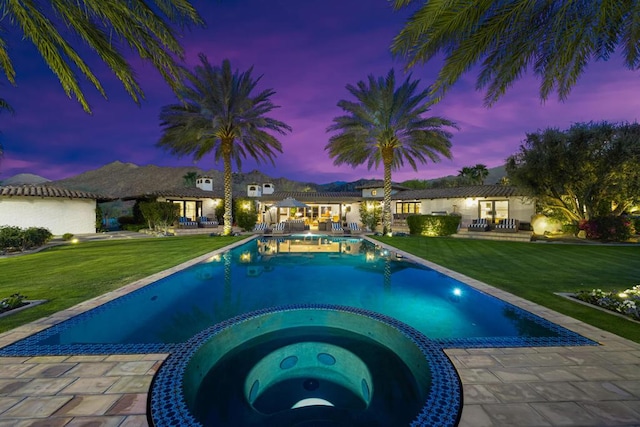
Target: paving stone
{"x": 583, "y": 358}
{"x": 476, "y": 360}
{"x": 515, "y": 414}
{"x": 12, "y": 360}
{"x": 135, "y": 421}
{"x": 48, "y": 359}
{"x": 88, "y": 405}
{"x": 124, "y": 357}
{"x": 129, "y": 404}
{"x": 43, "y": 386}
{"x": 594, "y": 373}
{"x": 511, "y": 393}
{"x": 548, "y": 359}
{"x": 95, "y": 422}
{"x": 515, "y": 374}
{"x": 566, "y": 414}
{"x": 49, "y": 422}
{"x": 629, "y": 372}
{"x": 477, "y": 376}
{"x": 613, "y": 413}
{"x": 140, "y": 367}
{"x": 90, "y": 369}
{"x": 47, "y": 370}
{"x": 36, "y": 407}
{"x": 474, "y": 416}
{"x": 8, "y": 402}
{"x": 559, "y": 392}
{"x": 602, "y": 390}
{"x": 513, "y": 360}
{"x": 131, "y": 384}
{"x": 474, "y": 393}
{"x": 620, "y": 357}
{"x": 554, "y": 374}
{"x": 87, "y": 358}
{"x": 90, "y": 385}
{"x": 12, "y": 370}
{"x": 8, "y": 387}
{"x": 632, "y": 387}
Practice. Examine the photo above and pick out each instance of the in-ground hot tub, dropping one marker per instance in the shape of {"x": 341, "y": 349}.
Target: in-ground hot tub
{"x": 307, "y": 365}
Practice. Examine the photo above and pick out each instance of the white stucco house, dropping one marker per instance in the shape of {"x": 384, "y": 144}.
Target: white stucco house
{"x": 57, "y": 209}
{"x": 491, "y": 202}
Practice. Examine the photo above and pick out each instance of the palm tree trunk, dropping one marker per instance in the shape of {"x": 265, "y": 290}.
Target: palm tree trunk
{"x": 228, "y": 193}
{"x": 386, "y": 209}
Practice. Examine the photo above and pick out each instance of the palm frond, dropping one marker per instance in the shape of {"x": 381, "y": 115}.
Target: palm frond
{"x": 554, "y": 39}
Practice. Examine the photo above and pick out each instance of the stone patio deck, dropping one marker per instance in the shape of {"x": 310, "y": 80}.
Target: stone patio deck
{"x": 533, "y": 386}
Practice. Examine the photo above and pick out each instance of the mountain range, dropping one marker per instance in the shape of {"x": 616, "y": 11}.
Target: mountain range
{"x": 118, "y": 179}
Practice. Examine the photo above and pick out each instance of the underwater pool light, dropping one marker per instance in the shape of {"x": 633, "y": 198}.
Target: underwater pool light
{"x": 313, "y": 401}
{"x": 457, "y": 292}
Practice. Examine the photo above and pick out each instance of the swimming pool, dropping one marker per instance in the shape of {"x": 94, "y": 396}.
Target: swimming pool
{"x": 297, "y": 270}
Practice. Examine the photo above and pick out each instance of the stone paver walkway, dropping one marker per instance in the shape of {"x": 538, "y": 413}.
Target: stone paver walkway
{"x": 534, "y": 386}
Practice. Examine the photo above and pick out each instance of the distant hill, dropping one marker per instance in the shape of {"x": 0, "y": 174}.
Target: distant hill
{"x": 25, "y": 179}
{"x": 120, "y": 179}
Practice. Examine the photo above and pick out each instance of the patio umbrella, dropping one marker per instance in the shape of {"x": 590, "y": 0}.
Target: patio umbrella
{"x": 290, "y": 202}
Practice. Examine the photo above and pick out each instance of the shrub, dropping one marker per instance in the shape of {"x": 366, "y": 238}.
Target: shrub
{"x": 15, "y": 238}
{"x": 608, "y": 228}
{"x": 159, "y": 215}
{"x": 12, "y": 302}
{"x": 433, "y": 225}
{"x": 67, "y": 236}
{"x": 371, "y": 214}
{"x": 10, "y": 238}
{"x": 626, "y": 302}
{"x": 245, "y": 214}
{"x": 34, "y": 237}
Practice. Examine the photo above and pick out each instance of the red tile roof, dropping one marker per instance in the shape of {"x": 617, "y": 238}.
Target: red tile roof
{"x": 46, "y": 191}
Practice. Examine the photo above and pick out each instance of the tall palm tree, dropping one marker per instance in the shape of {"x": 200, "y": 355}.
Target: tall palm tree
{"x": 219, "y": 113}
{"x": 555, "y": 38}
{"x": 108, "y": 28}
{"x": 480, "y": 173}
{"x": 386, "y": 124}
{"x": 466, "y": 173}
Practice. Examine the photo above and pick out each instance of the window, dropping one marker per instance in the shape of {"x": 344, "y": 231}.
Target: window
{"x": 494, "y": 210}
{"x": 408, "y": 207}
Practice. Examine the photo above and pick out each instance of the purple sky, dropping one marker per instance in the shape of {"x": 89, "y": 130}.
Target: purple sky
{"x": 307, "y": 51}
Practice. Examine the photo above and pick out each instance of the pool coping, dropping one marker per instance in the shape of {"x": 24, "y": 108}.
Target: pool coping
{"x": 575, "y": 385}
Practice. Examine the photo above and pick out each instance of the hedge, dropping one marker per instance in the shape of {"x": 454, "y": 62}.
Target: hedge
{"x": 433, "y": 225}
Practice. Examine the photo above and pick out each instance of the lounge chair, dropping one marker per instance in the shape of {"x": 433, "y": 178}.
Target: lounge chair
{"x": 260, "y": 227}
{"x": 185, "y": 222}
{"x": 480, "y": 224}
{"x": 508, "y": 225}
{"x": 205, "y": 222}
{"x": 336, "y": 228}
{"x": 355, "y": 228}
{"x": 279, "y": 228}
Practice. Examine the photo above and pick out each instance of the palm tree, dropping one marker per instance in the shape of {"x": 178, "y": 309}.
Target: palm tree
{"x": 480, "y": 173}
{"x": 466, "y": 173}
{"x": 385, "y": 124}
{"x": 557, "y": 39}
{"x": 108, "y": 28}
{"x": 219, "y": 114}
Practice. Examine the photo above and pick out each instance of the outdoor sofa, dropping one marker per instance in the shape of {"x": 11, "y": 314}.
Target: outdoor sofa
{"x": 480, "y": 224}
{"x": 508, "y": 225}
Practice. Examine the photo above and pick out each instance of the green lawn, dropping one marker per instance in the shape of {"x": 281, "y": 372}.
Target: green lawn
{"x": 67, "y": 275}
{"x": 535, "y": 271}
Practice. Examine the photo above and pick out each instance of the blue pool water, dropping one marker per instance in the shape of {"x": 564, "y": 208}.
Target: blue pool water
{"x": 268, "y": 272}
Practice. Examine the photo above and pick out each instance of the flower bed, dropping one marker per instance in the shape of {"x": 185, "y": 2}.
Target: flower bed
{"x": 626, "y": 302}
